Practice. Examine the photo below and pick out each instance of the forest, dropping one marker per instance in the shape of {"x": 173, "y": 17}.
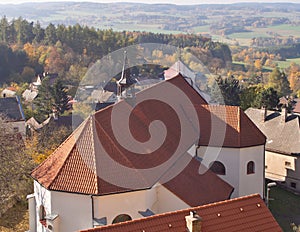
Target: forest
{"x": 28, "y": 49}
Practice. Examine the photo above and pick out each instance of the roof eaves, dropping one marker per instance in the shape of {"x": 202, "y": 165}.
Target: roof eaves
{"x": 68, "y": 156}
{"x": 256, "y": 196}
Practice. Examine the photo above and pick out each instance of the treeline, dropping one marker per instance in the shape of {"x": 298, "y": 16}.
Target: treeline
{"x": 291, "y": 51}
{"x": 27, "y": 45}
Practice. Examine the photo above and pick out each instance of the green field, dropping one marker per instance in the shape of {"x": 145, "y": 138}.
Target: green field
{"x": 286, "y": 64}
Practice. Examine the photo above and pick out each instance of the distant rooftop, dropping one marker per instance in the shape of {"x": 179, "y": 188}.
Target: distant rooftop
{"x": 11, "y": 109}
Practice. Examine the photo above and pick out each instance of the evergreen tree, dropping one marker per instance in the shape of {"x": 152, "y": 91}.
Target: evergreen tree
{"x": 39, "y": 33}
{"x": 248, "y": 97}
{"x": 44, "y": 100}
{"x": 51, "y": 99}
{"x": 60, "y": 97}
{"x": 4, "y": 30}
{"x": 279, "y": 82}
{"x": 267, "y": 98}
{"x": 227, "y": 91}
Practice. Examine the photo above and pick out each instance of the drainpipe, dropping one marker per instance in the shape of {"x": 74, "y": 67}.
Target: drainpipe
{"x": 93, "y": 213}
{"x": 264, "y": 173}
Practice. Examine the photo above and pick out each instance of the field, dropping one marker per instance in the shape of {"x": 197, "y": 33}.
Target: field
{"x": 286, "y": 64}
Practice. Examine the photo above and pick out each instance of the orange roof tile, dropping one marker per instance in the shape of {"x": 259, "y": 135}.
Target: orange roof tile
{"x": 247, "y": 214}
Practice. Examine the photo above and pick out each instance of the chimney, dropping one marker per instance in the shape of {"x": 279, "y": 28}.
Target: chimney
{"x": 283, "y": 114}
{"x": 193, "y": 222}
{"x": 264, "y": 113}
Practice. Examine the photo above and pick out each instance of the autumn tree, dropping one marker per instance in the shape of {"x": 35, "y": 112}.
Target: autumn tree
{"x": 14, "y": 164}
{"x": 294, "y": 77}
{"x": 258, "y": 65}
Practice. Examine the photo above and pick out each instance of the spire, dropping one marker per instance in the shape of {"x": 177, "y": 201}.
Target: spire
{"x": 178, "y": 61}
{"x": 126, "y": 81}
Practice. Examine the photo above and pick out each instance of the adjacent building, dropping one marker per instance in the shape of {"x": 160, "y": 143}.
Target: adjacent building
{"x": 282, "y": 130}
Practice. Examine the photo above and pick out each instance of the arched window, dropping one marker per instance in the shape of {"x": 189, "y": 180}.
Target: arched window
{"x": 218, "y": 168}
{"x": 250, "y": 167}
{"x": 42, "y": 215}
{"x": 42, "y": 212}
{"x": 121, "y": 218}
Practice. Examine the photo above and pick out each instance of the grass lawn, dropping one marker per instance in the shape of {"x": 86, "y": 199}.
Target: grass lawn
{"x": 285, "y": 207}
{"x": 15, "y": 219}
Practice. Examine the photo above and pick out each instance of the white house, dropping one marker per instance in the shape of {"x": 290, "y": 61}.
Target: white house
{"x": 282, "y": 161}
{"x": 99, "y": 176}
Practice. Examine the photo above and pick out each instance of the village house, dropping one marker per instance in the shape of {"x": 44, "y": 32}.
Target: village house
{"x": 8, "y": 92}
{"x": 78, "y": 187}
{"x": 12, "y": 112}
{"x": 282, "y": 162}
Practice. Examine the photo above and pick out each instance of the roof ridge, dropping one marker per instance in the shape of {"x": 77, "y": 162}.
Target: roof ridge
{"x": 183, "y": 210}
{"x": 69, "y": 153}
{"x": 93, "y": 147}
{"x": 253, "y": 125}
{"x": 239, "y": 125}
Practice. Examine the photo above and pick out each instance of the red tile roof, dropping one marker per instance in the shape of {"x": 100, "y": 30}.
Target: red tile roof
{"x": 184, "y": 187}
{"x": 78, "y": 165}
{"x": 246, "y": 214}
{"x": 227, "y": 126}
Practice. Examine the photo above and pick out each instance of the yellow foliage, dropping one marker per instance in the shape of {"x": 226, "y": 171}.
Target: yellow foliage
{"x": 258, "y": 65}
{"x": 31, "y": 146}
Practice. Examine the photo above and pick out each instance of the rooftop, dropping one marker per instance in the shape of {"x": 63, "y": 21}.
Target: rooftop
{"x": 247, "y": 214}
{"x": 11, "y": 109}
{"x": 283, "y": 135}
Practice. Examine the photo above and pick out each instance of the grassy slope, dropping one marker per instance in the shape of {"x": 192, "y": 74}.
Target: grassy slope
{"x": 285, "y": 207}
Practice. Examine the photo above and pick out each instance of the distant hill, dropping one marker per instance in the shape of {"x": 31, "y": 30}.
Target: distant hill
{"x": 232, "y": 23}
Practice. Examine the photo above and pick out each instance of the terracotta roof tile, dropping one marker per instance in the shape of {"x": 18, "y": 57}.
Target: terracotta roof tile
{"x": 247, "y": 214}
